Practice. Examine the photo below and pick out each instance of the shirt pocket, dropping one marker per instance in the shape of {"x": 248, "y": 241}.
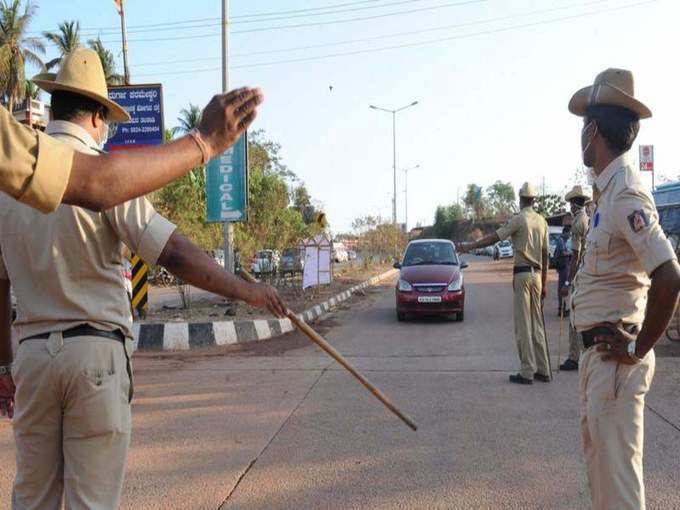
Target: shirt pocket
{"x": 597, "y": 251}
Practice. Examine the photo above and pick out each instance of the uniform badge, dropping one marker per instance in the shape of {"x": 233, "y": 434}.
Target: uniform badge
{"x": 638, "y": 220}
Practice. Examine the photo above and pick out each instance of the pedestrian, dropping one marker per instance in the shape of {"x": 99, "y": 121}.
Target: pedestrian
{"x": 562, "y": 260}
{"x": 577, "y": 199}
{"x": 42, "y": 172}
{"x": 72, "y": 368}
{"x": 529, "y": 233}
{"x": 624, "y": 293}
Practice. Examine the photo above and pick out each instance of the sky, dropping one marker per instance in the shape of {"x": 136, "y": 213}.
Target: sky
{"x": 492, "y": 79}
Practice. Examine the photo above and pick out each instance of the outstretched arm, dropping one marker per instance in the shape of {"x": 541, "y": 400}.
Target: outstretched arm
{"x": 190, "y": 263}
{"x": 101, "y": 182}
{"x": 480, "y": 243}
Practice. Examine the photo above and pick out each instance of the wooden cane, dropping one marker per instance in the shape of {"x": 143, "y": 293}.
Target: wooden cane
{"x": 559, "y": 339}
{"x": 321, "y": 342}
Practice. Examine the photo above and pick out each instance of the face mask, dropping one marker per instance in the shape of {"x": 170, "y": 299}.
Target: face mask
{"x": 585, "y": 128}
{"x": 104, "y": 136}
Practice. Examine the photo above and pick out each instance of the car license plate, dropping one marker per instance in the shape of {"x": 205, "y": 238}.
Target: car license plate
{"x": 429, "y": 299}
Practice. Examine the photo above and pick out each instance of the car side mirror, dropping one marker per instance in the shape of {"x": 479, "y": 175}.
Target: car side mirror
{"x": 464, "y": 265}
{"x": 396, "y": 265}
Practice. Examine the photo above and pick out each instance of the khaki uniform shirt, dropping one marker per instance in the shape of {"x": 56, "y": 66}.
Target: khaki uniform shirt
{"x": 529, "y": 233}
{"x": 34, "y": 168}
{"x": 66, "y": 267}
{"x": 625, "y": 244}
{"x": 579, "y": 230}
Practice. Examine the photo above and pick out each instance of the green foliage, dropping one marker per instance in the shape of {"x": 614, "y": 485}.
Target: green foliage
{"x": 550, "y": 205}
{"x": 444, "y": 218}
{"x": 378, "y": 237}
{"x": 500, "y": 197}
{"x": 188, "y": 119}
{"x": 66, "y": 39}
{"x": 475, "y": 202}
{"x": 16, "y": 49}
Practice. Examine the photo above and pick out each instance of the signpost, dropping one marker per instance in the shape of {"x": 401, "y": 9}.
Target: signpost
{"x": 647, "y": 160}
{"x": 144, "y": 103}
{"x": 227, "y": 184}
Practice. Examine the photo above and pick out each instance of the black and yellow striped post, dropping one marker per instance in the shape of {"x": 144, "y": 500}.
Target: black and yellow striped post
{"x": 140, "y": 285}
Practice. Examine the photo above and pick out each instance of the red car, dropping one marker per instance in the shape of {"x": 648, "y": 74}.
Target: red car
{"x": 430, "y": 280}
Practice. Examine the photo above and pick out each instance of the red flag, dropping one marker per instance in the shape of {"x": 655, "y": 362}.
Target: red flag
{"x": 119, "y": 5}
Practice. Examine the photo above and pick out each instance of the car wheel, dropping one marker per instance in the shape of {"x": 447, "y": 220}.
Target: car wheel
{"x": 401, "y": 317}
{"x": 460, "y": 316}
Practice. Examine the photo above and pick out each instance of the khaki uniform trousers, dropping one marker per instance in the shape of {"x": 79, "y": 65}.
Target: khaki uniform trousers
{"x": 72, "y": 422}
{"x": 529, "y": 328}
{"x": 612, "y": 429}
{"x": 575, "y": 344}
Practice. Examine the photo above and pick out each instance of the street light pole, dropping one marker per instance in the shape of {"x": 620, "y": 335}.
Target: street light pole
{"x": 406, "y": 171}
{"x": 394, "y": 158}
{"x": 227, "y": 228}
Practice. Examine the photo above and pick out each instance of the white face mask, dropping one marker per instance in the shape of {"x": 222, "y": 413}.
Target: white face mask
{"x": 104, "y": 137}
{"x": 583, "y": 152}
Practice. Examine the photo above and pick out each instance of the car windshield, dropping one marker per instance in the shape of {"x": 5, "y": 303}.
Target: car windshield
{"x": 419, "y": 254}
{"x": 505, "y": 244}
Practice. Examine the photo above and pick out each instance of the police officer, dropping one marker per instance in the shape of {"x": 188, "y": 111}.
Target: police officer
{"x": 529, "y": 233}
{"x": 577, "y": 199}
{"x": 72, "y": 368}
{"x": 624, "y": 293}
{"x": 42, "y": 172}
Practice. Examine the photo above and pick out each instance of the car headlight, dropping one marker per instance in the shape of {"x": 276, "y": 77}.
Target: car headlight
{"x": 404, "y": 286}
{"x": 456, "y": 284}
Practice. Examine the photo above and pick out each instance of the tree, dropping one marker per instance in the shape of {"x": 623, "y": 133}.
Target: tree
{"x": 16, "y": 49}
{"x": 445, "y": 217}
{"x": 550, "y": 205}
{"x": 66, "y": 39}
{"x": 501, "y": 198}
{"x": 31, "y": 90}
{"x": 378, "y": 237}
{"x": 108, "y": 62}
{"x": 188, "y": 119}
{"x": 302, "y": 202}
{"x": 474, "y": 201}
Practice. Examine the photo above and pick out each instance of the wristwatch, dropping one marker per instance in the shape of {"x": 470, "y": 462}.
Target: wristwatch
{"x": 6, "y": 369}
{"x": 632, "y": 351}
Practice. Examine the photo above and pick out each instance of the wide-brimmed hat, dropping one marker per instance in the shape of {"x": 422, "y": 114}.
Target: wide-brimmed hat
{"x": 527, "y": 191}
{"x": 81, "y": 72}
{"x": 613, "y": 87}
{"x": 577, "y": 192}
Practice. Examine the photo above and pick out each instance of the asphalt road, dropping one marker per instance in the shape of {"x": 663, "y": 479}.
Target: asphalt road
{"x": 276, "y": 425}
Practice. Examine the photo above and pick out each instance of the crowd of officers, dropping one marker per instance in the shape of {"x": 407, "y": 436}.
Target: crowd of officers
{"x": 69, "y": 384}
{"x": 619, "y": 289}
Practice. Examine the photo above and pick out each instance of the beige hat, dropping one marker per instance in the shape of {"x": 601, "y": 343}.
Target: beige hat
{"x": 577, "y": 192}
{"x": 81, "y": 72}
{"x": 527, "y": 191}
{"x": 612, "y": 87}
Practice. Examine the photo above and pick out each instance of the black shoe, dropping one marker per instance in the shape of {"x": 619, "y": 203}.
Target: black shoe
{"x": 569, "y": 365}
{"x": 542, "y": 378}
{"x": 518, "y": 379}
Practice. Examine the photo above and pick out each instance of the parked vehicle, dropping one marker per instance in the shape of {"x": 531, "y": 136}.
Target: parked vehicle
{"x": 554, "y": 233}
{"x": 430, "y": 280}
{"x": 351, "y": 255}
{"x": 340, "y": 253}
{"x": 505, "y": 250}
{"x": 292, "y": 261}
{"x": 265, "y": 262}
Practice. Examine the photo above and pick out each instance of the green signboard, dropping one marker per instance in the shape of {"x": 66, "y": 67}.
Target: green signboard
{"x": 227, "y": 184}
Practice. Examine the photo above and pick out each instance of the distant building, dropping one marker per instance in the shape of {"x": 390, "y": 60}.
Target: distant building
{"x": 36, "y": 116}
{"x": 667, "y": 194}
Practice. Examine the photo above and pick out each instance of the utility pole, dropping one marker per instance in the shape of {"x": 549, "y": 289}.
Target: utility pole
{"x": 406, "y": 171}
{"x": 123, "y": 28}
{"x": 394, "y": 160}
{"x": 227, "y": 227}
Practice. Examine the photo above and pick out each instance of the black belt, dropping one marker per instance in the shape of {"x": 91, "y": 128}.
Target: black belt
{"x": 523, "y": 269}
{"x": 82, "y": 330}
{"x": 589, "y": 335}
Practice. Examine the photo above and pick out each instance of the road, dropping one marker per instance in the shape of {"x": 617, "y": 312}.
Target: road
{"x": 276, "y": 425}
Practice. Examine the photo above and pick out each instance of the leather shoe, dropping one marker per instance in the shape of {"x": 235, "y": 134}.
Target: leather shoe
{"x": 542, "y": 378}
{"x": 518, "y": 379}
{"x": 568, "y": 365}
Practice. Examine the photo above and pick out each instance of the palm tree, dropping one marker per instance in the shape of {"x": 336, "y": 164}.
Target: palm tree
{"x": 188, "y": 119}
{"x": 108, "y": 62}
{"x": 66, "y": 40}
{"x": 16, "y": 49}
{"x": 31, "y": 90}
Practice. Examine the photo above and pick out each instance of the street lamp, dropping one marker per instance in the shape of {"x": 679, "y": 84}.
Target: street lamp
{"x": 394, "y": 152}
{"x": 406, "y": 171}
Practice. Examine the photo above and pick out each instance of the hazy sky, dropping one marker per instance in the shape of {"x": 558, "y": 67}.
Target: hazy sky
{"x": 492, "y": 78}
